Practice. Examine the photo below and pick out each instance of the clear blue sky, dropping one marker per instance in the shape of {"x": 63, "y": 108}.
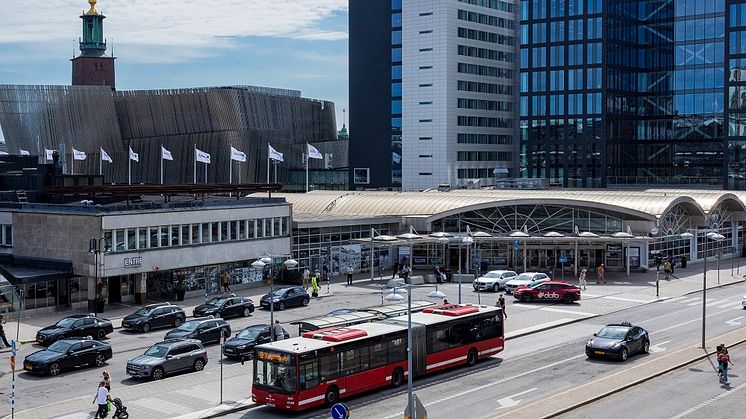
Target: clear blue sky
{"x": 294, "y": 44}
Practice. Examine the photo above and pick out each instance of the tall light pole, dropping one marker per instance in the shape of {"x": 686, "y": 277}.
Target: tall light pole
{"x": 467, "y": 241}
{"x": 717, "y": 237}
{"x": 261, "y": 264}
{"x": 394, "y": 296}
{"x": 94, "y": 246}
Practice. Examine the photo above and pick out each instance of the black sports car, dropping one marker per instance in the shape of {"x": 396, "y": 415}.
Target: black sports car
{"x": 77, "y": 326}
{"x": 618, "y": 341}
{"x": 67, "y": 353}
{"x": 225, "y": 306}
{"x": 242, "y": 345}
{"x": 204, "y": 330}
{"x": 288, "y": 296}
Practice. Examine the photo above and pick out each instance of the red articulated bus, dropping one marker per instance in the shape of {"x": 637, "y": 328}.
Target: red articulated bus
{"x": 322, "y": 366}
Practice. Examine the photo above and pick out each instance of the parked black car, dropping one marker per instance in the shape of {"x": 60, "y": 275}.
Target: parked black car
{"x": 618, "y": 341}
{"x": 225, "y": 306}
{"x": 167, "y": 357}
{"x": 286, "y": 297}
{"x": 204, "y": 329}
{"x": 153, "y": 316}
{"x": 77, "y": 326}
{"x": 242, "y": 345}
{"x": 67, "y": 353}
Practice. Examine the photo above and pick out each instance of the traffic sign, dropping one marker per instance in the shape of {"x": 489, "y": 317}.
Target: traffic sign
{"x": 563, "y": 260}
{"x": 13, "y": 347}
{"x": 340, "y": 411}
{"x": 419, "y": 409}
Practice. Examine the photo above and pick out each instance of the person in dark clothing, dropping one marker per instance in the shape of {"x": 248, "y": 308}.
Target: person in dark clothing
{"x": 501, "y": 304}
{"x": 2, "y": 332}
{"x": 396, "y": 269}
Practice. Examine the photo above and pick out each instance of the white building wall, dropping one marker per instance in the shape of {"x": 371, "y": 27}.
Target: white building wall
{"x": 430, "y": 96}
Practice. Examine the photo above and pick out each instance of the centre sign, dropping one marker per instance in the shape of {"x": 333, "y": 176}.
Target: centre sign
{"x": 133, "y": 262}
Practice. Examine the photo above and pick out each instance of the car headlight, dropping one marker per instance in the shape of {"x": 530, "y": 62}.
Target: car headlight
{"x": 242, "y": 347}
{"x": 143, "y": 367}
{"x": 276, "y": 300}
{"x": 589, "y": 343}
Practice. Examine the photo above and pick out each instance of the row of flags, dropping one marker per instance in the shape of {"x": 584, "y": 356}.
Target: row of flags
{"x": 199, "y": 155}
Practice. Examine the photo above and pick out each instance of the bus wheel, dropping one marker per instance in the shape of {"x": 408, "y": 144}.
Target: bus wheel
{"x": 332, "y": 395}
{"x": 471, "y": 358}
{"x": 397, "y": 377}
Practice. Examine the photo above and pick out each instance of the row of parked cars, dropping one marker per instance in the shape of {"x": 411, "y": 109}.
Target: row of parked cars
{"x": 77, "y": 340}
{"x": 528, "y": 286}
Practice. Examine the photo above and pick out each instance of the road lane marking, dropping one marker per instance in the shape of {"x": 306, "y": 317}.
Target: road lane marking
{"x": 709, "y": 402}
{"x": 632, "y": 300}
{"x": 659, "y": 347}
{"x": 733, "y": 322}
{"x": 698, "y": 319}
{"x": 560, "y": 310}
{"x": 510, "y": 402}
{"x": 541, "y": 326}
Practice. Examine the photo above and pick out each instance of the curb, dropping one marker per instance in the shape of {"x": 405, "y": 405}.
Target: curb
{"x": 242, "y": 405}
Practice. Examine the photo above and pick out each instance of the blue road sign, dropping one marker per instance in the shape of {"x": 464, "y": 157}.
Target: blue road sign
{"x": 515, "y": 244}
{"x": 563, "y": 260}
{"x": 13, "y": 347}
{"x": 340, "y": 411}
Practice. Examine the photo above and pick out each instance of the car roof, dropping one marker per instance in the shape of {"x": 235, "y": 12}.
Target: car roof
{"x": 163, "y": 304}
{"x": 622, "y": 324}
{"x": 531, "y": 273}
{"x": 558, "y": 282}
{"x": 174, "y": 341}
{"x": 203, "y": 319}
{"x": 77, "y": 340}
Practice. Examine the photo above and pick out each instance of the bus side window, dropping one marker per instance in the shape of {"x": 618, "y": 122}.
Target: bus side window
{"x": 364, "y": 358}
{"x": 490, "y": 327}
{"x": 377, "y": 355}
{"x": 437, "y": 340}
{"x": 397, "y": 350}
{"x": 350, "y": 361}
{"x": 329, "y": 366}
{"x": 309, "y": 375}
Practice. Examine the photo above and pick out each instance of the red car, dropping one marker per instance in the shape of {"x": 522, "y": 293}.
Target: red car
{"x": 548, "y": 291}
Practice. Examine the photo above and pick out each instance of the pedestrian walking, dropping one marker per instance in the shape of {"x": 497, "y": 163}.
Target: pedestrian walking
{"x": 314, "y": 286}
{"x": 2, "y": 331}
{"x": 396, "y": 269}
{"x": 226, "y": 281}
{"x": 600, "y": 272}
{"x": 667, "y": 270}
{"x": 102, "y": 399}
{"x": 106, "y": 379}
{"x": 723, "y": 362}
{"x": 350, "y": 271}
{"x": 501, "y": 304}
{"x": 582, "y": 278}
{"x": 673, "y": 264}
{"x": 306, "y": 275}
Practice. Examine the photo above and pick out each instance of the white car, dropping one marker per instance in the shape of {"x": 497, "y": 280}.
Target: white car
{"x": 493, "y": 280}
{"x": 526, "y": 278}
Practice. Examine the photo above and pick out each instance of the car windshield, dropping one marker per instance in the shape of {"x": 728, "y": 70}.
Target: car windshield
{"x": 250, "y": 333}
{"x": 275, "y": 370}
{"x": 59, "y": 346}
{"x": 524, "y": 277}
{"x": 535, "y": 286}
{"x": 280, "y": 292}
{"x": 158, "y": 351}
{"x": 492, "y": 275}
{"x": 143, "y": 311}
{"x": 67, "y": 322}
{"x": 217, "y": 301}
{"x": 189, "y": 326}
{"x": 612, "y": 332}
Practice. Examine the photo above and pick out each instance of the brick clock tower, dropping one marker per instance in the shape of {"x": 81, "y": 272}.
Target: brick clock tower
{"x": 92, "y": 67}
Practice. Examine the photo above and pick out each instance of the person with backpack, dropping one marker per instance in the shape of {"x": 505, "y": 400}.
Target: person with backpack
{"x": 350, "y": 271}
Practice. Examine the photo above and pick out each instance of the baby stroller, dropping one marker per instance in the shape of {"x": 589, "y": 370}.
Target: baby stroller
{"x": 120, "y": 411}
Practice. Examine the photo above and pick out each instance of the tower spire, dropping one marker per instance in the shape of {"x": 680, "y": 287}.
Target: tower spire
{"x": 92, "y": 11}
{"x": 92, "y": 66}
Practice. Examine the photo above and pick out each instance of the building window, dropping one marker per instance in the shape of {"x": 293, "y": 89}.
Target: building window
{"x": 361, "y": 176}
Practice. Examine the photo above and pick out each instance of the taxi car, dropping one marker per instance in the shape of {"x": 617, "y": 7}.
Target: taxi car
{"x": 618, "y": 340}
{"x": 548, "y": 291}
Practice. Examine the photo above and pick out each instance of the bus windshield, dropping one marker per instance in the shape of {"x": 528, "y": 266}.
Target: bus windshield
{"x": 275, "y": 371}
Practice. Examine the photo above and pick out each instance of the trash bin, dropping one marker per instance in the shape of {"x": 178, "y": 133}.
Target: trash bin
{"x": 683, "y": 262}
{"x": 448, "y": 275}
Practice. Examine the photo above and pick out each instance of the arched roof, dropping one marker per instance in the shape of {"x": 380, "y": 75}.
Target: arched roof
{"x": 641, "y": 204}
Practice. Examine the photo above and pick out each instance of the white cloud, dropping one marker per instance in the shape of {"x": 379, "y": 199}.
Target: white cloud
{"x": 183, "y": 26}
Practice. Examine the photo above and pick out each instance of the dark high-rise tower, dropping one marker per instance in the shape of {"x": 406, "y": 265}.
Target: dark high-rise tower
{"x": 92, "y": 67}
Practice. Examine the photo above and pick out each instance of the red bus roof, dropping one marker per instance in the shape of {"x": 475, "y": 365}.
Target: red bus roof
{"x": 336, "y": 334}
{"x": 451, "y": 310}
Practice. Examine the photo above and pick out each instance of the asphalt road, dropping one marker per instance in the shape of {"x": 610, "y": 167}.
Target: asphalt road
{"x": 545, "y": 363}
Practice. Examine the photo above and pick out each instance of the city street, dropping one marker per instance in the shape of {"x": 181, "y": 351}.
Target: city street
{"x": 517, "y": 375}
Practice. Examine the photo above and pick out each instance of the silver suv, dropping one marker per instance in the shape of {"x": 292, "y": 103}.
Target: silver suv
{"x": 493, "y": 280}
{"x": 527, "y": 279}
{"x": 168, "y": 357}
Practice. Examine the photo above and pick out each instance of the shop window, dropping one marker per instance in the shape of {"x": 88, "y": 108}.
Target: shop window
{"x": 119, "y": 244}
{"x": 285, "y": 226}
{"x": 206, "y": 233}
{"x": 260, "y": 228}
{"x": 163, "y": 232}
{"x": 242, "y": 230}
{"x": 195, "y": 234}
{"x": 216, "y": 232}
{"x": 185, "y": 235}
{"x": 142, "y": 238}
{"x": 252, "y": 228}
{"x": 131, "y": 239}
{"x": 267, "y": 227}
{"x": 234, "y": 230}
{"x": 154, "y": 237}
{"x": 277, "y": 227}
{"x": 224, "y": 232}
{"x": 174, "y": 235}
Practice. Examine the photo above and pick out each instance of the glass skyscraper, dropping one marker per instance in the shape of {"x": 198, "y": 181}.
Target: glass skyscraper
{"x": 633, "y": 92}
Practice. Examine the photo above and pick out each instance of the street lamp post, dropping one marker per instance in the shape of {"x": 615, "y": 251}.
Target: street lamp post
{"x": 716, "y": 237}
{"x": 467, "y": 241}
{"x": 94, "y": 246}
{"x": 261, "y": 264}
{"x": 394, "y": 296}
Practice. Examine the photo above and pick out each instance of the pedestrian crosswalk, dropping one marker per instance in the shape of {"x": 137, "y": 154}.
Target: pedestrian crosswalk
{"x": 710, "y": 302}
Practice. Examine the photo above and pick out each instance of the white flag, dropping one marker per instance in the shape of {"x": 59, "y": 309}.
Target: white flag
{"x": 313, "y": 153}
{"x": 105, "y": 156}
{"x": 24, "y": 152}
{"x": 237, "y": 155}
{"x": 78, "y": 155}
{"x": 134, "y": 156}
{"x": 165, "y": 154}
{"x": 274, "y": 154}
{"x": 49, "y": 153}
{"x": 202, "y": 156}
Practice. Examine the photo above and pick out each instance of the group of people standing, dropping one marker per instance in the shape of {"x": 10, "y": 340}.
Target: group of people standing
{"x": 723, "y": 363}
{"x": 103, "y": 396}
{"x": 600, "y": 276}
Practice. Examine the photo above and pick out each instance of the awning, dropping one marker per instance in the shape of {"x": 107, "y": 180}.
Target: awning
{"x": 27, "y": 274}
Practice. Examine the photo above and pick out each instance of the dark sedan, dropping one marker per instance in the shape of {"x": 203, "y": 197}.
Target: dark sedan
{"x": 225, "y": 306}
{"x": 205, "y": 330}
{"x": 286, "y": 297}
{"x": 78, "y": 326}
{"x": 153, "y": 316}
{"x": 66, "y": 354}
{"x": 242, "y": 345}
{"x": 618, "y": 341}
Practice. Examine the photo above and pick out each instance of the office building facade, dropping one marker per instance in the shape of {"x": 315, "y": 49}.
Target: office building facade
{"x": 440, "y": 77}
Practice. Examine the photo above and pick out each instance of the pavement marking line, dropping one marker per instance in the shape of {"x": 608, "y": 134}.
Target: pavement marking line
{"x": 542, "y": 326}
{"x": 631, "y": 300}
{"x": 689, "y": 321}
{"x": 509, "y": 402}
{"x": 482, "y": 387}
{"x": 709, "y": 402}
{"x": 585, "y": 294}
{"x": 560, "y": 310}
{"x": 658, "y": 347}
{"x": 677, "y": 299}
{"x": 733, "y": 322}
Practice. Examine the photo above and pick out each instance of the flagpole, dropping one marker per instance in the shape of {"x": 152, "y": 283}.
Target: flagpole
{"x": 195, "y": 163}
{"x": 129, "y": 166}
{"x": 230, "y": 166}
{"x": 276, "y": 163}
{"x": 161, "y": 164}
{"x": 101, "y": 162}
{"x": 72, "y": 161}
{"x": 205, "y": 172}
{"x": 268, "y": 162}
{"x": 239, "y": 172}
{"x": 306, "y": 167}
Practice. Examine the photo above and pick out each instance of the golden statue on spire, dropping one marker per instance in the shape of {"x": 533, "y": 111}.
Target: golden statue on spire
{"x": 92, "y": 10}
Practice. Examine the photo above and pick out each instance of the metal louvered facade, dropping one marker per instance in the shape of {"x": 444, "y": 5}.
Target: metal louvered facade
{"x": 212, "y": 119}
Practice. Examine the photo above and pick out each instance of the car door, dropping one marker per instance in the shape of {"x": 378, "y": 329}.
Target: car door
{"x": 73, "y": 356}
{"x": 174, "y": 361}
{"x": 83, "y": 327}
{"x": 632, "y": 343}
{"x": 159, "y": 317}
{"x": 637, "y": 336}
{"x": 213, "y": 331}
{"x": 237, "y": 307}
{"x": 88, "y": 353}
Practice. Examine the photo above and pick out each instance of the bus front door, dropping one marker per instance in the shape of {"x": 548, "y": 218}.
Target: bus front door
{"x": 419, "y": 350}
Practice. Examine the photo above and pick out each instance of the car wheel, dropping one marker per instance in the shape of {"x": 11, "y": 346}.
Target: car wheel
{"x": 158, "y": 373}
{"x": 100, "y": 360}
{"x": 54, "y": 369}
{"x": 567, "y": 299}
{"x": 246, "y": 312}
{"x": 397, "y": 377}
{"x": 332, "y": 395}
{"x": 526, "y": 298}
{"x": 178, "y": 322}
{"x": 624, "y": 355}
{"x": 281, "y": 306}
{"x": 471, "y": 357}
{"x": 306, "y": 301}
{"x": 100, "y": 334}
{"x": 646, "y": 347}
{"x": 146, "y": 327}
{"x": 199, "y": 365}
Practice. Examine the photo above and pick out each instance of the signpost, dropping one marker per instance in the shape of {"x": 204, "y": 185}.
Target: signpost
{"x": 340, "y": 411}
{"x": 563, "y": 260}
{"x": 13, "y": 380}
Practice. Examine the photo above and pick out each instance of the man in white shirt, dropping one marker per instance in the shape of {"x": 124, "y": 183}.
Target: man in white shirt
{"x": 306, "y": 275}
{"x": 102, "y": 397}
